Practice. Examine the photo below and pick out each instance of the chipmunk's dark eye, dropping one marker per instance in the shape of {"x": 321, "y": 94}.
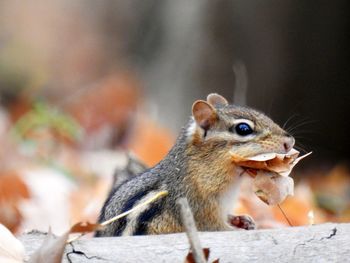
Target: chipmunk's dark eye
{"x": 243, "y": 129}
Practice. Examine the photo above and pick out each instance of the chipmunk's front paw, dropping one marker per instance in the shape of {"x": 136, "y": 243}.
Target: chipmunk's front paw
{"x": 242, "y": 221}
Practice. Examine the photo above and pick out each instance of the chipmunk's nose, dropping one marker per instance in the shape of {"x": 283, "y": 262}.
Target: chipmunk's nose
{"x": 288, "y": 143}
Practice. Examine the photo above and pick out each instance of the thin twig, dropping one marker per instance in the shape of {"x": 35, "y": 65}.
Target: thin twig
{"x": 109, "y": 221}
{"x": 285, "y": 216}
{"x": 148, "y": 201}
{"x": 72, "y": 239}
{"x": 191, "y": 230}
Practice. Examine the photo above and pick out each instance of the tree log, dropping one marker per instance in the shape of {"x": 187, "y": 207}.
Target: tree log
{"x": 318, "y": 243}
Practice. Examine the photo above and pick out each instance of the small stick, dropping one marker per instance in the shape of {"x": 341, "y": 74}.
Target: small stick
{"x": 111, "y": 220}
{"x": 72, "y": 239}
{"x": 191, "y": 230}
{"x": 285, "y": 216}
{"x": 148, "y": 201}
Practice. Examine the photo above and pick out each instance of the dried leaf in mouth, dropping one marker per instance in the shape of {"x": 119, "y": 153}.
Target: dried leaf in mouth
{"x": 274, "y": 162}
{"x": 270, "y": 171}
{"x": 272, "y": 188}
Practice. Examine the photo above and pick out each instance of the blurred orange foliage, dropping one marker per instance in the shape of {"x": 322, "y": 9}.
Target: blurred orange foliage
{"x": 112, "y": 101}
{"x": 12, "y": 191}
{"x": 150, "y": 142}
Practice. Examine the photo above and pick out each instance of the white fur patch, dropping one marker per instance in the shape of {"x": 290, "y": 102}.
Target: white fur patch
{"x": 192, "y": 128}
{"x": 228, "y": 199}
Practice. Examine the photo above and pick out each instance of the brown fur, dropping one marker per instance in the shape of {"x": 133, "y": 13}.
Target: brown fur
{"x": 164, "y": 224}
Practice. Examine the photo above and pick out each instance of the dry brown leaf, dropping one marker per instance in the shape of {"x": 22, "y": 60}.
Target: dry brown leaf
{"x": 84, "y": 227}
{"x": 274, "y": 162}
{"x": 272, "y": 183}
{"x": 272, "y": 188}
{"x": 206, "y": 251}
{"x": 13, "y": 190}
{"x": 51, "y": 250}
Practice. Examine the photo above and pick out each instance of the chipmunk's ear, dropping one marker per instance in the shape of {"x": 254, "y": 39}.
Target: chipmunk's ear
{"x": 216, "y": 100}
{"x": 204, "y": 114}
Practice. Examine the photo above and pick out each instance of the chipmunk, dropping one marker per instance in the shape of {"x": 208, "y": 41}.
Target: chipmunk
{"x": 198, "y": 167}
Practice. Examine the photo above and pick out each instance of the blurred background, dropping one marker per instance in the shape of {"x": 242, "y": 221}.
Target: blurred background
{"x": 83, "y": 82}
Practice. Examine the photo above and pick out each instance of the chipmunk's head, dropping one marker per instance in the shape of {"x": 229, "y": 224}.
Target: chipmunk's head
{"x": 242, "y": 131}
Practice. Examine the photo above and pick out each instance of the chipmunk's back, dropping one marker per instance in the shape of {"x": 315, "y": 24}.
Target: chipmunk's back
{"x": 125, "y": 197}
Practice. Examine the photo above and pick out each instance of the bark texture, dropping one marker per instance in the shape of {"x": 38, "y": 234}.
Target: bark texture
{"x": 319, "y": 243}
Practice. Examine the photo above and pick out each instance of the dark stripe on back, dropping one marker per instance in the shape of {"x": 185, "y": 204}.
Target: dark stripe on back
{"x": 106, "y": 204}
{"x": 112, "y": 192}
{"x": 127, "y": 206}
{"x": 108, "y": 200}
{"x": 146, "y": 216}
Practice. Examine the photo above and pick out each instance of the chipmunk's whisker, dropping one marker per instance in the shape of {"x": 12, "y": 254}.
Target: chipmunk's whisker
{"x": 300, "y": 124}
{"x": 288, "y": 120}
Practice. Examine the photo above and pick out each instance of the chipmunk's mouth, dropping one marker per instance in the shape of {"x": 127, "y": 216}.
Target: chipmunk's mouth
{"x": 281, "y": 164}
{"x": 270, "y": 171}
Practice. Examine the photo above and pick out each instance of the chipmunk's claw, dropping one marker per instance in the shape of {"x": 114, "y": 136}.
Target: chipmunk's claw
{"x": 242, "y": 222}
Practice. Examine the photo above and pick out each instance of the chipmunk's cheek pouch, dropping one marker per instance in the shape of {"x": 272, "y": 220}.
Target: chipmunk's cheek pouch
{"x": 270, "y": 171}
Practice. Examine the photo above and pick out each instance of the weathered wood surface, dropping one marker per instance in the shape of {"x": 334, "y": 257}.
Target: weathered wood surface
{"x": 320, "y": 243}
